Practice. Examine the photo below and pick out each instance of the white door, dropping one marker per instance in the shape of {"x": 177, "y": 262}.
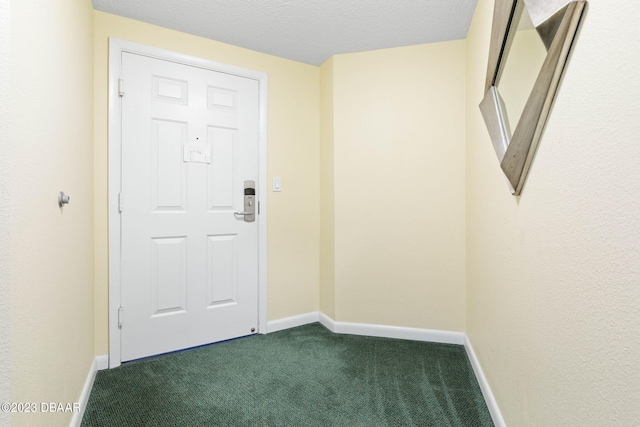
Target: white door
{"x": 189, "y": 263}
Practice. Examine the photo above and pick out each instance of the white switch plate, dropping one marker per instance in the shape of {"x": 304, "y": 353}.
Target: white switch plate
{"x": 277, "y": 184}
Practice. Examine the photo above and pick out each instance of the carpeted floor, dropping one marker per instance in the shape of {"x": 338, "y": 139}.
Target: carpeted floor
{"x": 306, "y": 376}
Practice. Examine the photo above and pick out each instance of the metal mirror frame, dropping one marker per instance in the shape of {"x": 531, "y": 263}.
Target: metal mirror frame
{"x": 557, "y": 23}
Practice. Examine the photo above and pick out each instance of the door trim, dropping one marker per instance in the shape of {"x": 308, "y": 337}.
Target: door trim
{"x": 116, "y": 48}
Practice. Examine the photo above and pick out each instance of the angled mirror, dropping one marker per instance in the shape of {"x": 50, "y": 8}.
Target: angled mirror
{"x": 530, "y": 45}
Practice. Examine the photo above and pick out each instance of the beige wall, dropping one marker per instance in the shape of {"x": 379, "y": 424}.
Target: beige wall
{"x": 5, "y": 307}
{"x": 293, "y": 152}
{"x": 50, "y": 149}
{"x": 553, "y": 276}
{"x": 399, "y": 147}
{"x": 327, "y": 217}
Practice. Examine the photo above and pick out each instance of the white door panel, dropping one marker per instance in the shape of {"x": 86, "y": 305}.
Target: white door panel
{"x": 189, "y": 265}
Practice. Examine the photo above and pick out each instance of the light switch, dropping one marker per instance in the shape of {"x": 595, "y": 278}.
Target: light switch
{"x": 277, "y": 184}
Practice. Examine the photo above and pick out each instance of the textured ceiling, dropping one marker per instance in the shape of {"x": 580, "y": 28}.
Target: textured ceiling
{"x": 308, "y": 31}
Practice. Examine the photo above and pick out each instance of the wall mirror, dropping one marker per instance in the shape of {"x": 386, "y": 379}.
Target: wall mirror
{"x": 530, "y": 44}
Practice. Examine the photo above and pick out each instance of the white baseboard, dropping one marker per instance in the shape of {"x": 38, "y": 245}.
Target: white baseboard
{"x": 489, "y": 398}
{"x": 398, "y": 332}
{"x": 84, "y": 396}
{"x": 328, "y": 322}
{"x": 292, "y": 322}
{"x": 102, "y": 362}
{"x": 415, "y": 334}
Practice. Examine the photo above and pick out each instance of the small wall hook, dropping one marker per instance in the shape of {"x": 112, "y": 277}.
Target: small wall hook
{"x": 63, "y": 199}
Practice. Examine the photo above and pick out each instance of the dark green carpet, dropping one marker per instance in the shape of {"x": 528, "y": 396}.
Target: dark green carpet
{"x": 305, "y": 376}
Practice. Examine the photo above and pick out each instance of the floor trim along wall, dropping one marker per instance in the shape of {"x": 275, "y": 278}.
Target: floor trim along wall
{"x": 415, "y": 334}
{"x": 292, "y": 322}
{"x": 102, "y": 362}
{"x": 398, "y": 332}
{"x": 98, "y": 364}
{"x": 489, "y": 398}
{"x": 328, "y": 322}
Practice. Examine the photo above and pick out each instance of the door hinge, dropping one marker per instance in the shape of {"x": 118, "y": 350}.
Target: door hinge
{"x": 120, "y": 309}
{"x": 119, "y": 202}
{"x": 258, "y": 207}
{"x": 120, "y": 88}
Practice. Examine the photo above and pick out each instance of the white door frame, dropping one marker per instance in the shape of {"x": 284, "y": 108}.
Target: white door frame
{"x": 116, "y": 48}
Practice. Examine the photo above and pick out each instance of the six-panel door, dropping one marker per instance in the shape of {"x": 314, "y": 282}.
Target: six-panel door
{"x": 189, "y": 264}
